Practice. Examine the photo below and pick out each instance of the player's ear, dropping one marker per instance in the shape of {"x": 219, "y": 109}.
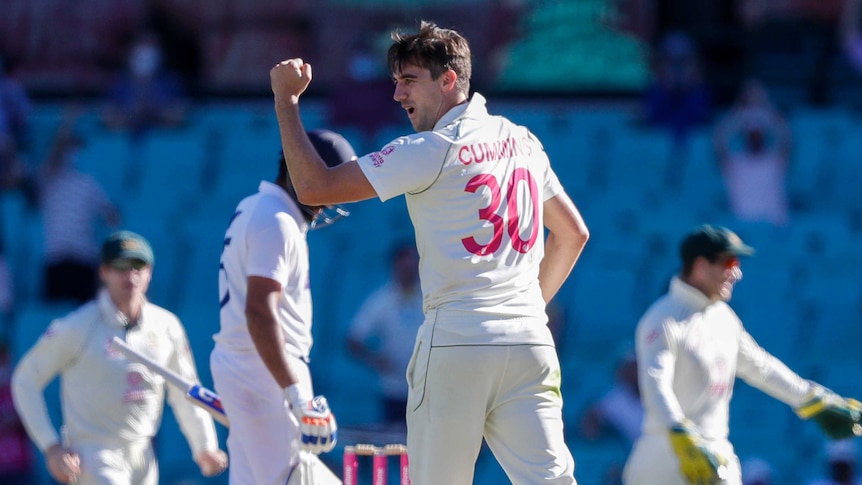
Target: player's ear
{"x": 448, "y": 79}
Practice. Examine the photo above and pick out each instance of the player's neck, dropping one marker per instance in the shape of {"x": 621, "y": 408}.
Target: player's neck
{"x": 131, "y": 310}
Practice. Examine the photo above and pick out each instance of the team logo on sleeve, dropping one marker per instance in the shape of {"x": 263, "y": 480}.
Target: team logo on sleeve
{"x": 377, "y": 157}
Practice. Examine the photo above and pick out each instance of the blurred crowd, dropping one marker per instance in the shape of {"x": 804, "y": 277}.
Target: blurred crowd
{"x": 752, "y": 142}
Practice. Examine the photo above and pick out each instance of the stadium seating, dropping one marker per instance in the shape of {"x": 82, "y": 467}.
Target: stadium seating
{"x": 800, "y": 296}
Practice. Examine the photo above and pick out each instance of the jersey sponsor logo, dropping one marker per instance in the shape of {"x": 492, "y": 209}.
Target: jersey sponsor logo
{"x": 136, "y": 389}
{"x": 495, "y": 150}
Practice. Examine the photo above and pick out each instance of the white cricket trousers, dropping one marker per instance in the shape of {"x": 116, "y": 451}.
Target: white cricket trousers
{"x": 263, "y": 441}
{"x": 653, "y": 462}
{"x": 123, "y": 464}
{"x": 510, "y": 394}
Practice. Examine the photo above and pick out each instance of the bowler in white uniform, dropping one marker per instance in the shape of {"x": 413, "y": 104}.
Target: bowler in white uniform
{"x": 480, "y": 192}
{"x": 112, "y": 407}
{"x": 690, "y": 347}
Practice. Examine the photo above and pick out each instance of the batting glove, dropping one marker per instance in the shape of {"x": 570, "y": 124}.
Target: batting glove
{"x": 839, "y": 418}
{"x": 316, "y": 422}
{"x": 698, "y": 464}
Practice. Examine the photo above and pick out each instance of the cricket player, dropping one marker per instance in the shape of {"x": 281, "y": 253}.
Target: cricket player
{"x": 112, "y": 407}
{"x": 690, "y": 347}
{"x": 260, "y": 360}
{"x": 480, "y": 192}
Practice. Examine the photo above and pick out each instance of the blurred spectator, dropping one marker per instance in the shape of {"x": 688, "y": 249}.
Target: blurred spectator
{"x": 14, "y": 113}
{"x": 384, "y": 327}
{"x": 145, "y": 95}
{"x": 841, "y": 464}
{"x": 851, "y": 35}
{"x": 14, "y": 130}
{"x": 752, "y": 144}
{"x": 176, "y": 28}
{"x": 16, "y": 458}
{"x": 10, "y": 163}
{"x": 677, "y": 98}
{"x": 72, "y": 204}
{"x": 757, "y": 471}
{"x": 7, "y": 295}
{"x": 619, "y": 411}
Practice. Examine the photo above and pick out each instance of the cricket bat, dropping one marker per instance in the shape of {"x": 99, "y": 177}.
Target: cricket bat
{"x": 199, "y": 395}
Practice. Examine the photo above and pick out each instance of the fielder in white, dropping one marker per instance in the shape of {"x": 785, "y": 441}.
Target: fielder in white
{"x": 691, "y": 346}
{"x": 260, "y": 360}
{"x": 112, "y": 407}
{"x": 480, "y": 192}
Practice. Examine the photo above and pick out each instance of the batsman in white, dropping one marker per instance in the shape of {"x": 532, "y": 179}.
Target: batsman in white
{"x": 112, "y": 407}
{"x": 691, "y": 346}
{"x": 260, "y": 360}
{"x": 480, "y": 192}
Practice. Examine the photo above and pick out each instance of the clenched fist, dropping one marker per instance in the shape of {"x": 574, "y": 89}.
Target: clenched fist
{"x": 290, "y": 78}
{"x": 64, "y": 465}
{"x": 211, "y": 462}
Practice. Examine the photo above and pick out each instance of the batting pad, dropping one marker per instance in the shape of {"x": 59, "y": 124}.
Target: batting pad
{"x": 312, "y": 471}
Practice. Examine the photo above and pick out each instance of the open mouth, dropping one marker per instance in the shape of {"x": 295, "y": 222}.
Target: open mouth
{"x": 410, "y": 110}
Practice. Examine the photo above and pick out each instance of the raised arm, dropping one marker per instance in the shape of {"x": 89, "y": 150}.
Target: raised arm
{"x": 314, "y": 182}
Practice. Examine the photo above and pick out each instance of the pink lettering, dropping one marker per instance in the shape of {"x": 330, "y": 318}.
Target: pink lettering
{"x": 494, "y": 151}
{"x": 479, "y": 157}
{"x": 462, "y": 152}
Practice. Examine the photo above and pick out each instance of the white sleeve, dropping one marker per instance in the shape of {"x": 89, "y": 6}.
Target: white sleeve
{"x": 195, "y": 423}
{"x": 53, "y": 352}
{"x": 267, "y": 256}
{"x": 657, "y": 353}
{"x": 762, "y": 370}
{"x": 408, "y": 164}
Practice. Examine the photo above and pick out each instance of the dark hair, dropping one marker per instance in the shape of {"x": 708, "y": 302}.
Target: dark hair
{"x": 435, "y": 49}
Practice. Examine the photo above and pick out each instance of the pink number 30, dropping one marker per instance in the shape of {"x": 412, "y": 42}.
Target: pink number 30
{"x": 512, "y": 225}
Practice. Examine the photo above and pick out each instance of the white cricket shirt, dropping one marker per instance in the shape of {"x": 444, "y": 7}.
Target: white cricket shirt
{"x": 108, "y": 400}
{"x": 266, "y": 237}
{"x": 690, "y": 350}
{"x": 474, "y": 188}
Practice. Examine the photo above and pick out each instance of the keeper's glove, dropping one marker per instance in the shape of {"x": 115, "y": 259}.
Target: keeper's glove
{"x": 698, "y": 464}
{"x": 316, "y": 422}
{"x": 838, "y": 417}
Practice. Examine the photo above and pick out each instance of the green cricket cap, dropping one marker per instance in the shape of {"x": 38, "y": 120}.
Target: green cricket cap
{"x": 126, "y": 245}
{"x": 709, "y": 241}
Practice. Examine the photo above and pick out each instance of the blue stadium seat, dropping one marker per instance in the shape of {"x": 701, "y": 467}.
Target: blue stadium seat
{"x": 23, "y": 245}
{"x": 600, "y": 308}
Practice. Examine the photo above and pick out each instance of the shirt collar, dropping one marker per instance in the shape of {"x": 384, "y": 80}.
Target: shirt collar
{"x": 683, "y": 291}
{"x": 114, "y": 316}
{"x": 474, "y": 108}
